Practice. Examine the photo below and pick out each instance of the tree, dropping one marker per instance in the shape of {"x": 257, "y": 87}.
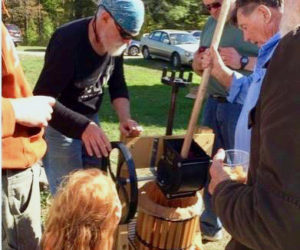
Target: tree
{"x": 47, "y": 31}
{"x": 42, "y": 17}
{"x": 32, "y": 35}
{"x": 174, "y": 14}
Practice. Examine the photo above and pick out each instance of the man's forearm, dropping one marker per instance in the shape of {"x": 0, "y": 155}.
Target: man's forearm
{"x": 122, "y": 108}
{"x": 224, "y": 77}
{"x": 251, "y": 63}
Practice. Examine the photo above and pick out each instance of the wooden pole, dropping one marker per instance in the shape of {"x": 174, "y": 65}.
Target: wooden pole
{"x": 204, "y": 82}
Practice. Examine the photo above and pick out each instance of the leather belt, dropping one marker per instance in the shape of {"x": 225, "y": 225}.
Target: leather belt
{"x": 218, "y": 98}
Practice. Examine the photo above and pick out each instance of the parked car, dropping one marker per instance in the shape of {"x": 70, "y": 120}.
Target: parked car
{"x": 133, "y": 49}
{"x": 176, "y": 46}
{"x": 15, "y": 33}
{"x": 196, "y": 33}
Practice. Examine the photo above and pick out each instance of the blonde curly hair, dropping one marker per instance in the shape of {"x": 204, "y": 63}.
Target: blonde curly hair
{"x": 84, "y": 213}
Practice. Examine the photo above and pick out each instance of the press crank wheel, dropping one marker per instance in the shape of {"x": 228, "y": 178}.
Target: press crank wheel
{"x": 124, "y": 175}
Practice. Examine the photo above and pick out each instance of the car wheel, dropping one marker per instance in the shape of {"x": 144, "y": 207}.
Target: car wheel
{"x": 133, "y": 51}
{"x": 175, "y": 60}
{"x": 146, "y": 53}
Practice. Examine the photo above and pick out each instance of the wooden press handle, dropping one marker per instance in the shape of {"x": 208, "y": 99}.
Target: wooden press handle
{"x": 204, "y": 81}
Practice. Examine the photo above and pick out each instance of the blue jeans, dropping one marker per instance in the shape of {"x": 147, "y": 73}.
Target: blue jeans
{"x": 65, "y": 155}
{"x": 222, "y": 118}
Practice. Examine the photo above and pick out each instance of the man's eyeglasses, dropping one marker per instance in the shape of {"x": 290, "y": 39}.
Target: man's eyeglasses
{"x": 125, "y": 35}
{"x": 214, "y": 5}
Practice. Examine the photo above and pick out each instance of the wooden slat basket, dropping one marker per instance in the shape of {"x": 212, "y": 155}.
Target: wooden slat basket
{"x": 166, "y": 224}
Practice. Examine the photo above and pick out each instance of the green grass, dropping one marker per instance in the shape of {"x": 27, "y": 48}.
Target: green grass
{"x": 149, "y": 98}
{"x": 32, "y": 66}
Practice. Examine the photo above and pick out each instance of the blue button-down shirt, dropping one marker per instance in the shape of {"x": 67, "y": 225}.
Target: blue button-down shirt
{"x": 245, "y": 90}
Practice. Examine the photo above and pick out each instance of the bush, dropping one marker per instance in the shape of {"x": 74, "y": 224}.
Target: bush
{"x": 32, "y": 35}
{"x": 47, "y": 30}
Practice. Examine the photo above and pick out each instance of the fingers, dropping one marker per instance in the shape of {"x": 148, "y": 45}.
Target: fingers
{"x": 220, "y": 156}
{"x": 106, "y": 142}
{"x": 95, "y": 141}
{"x": 88, "y": 147}
{"x": 50, "y": 100}
{"x": 130, "y": 128}
{"x": 136, "y": 131}
{"x": 124, "y": 131}
{"x": 211, "y": 187}
{"x": 96, "y": 149}
{"x": 96, "y": 146}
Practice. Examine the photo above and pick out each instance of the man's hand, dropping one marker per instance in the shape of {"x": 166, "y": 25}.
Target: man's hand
{"x": 198, "y": 61}
{"x": 210, "y": 58}
{"x": 95, "y": 141}
{"x": 230, "y": 57}
{"x": 219, "y": 70}
{"x": 34, "y": 111}
{"x": 130, "y": 127}
{"x": 217, "y": 172}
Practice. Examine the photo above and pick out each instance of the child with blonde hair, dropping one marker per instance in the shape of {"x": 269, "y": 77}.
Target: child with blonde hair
{"x": 84, "y": 213}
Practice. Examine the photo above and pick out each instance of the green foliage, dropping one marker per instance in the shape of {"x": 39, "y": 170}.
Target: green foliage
{"x": 83, "y": 8}
{"x": 47, "y": 30}
{"x": 174, "y": 14}
{"x": 32, "y": 35}
{"x": 39, "y": 18}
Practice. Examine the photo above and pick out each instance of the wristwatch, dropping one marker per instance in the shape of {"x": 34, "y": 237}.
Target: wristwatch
{"x": 244, "y": 61}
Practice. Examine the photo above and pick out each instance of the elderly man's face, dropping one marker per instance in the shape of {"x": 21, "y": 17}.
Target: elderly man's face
{"x": 111, "y": 35}
{"x": 214, "y": 7}
{"x": 253, "y": 26}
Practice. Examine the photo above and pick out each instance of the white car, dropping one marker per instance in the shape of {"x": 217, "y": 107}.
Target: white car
{"x": 176, "y": 46}
{"x": 196, "y": 34}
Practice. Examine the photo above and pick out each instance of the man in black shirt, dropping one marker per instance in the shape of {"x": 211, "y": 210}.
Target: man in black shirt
{"x": 81, "y": 57}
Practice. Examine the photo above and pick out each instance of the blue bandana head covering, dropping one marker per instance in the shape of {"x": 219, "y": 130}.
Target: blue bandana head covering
{"x": 129, "y": 14}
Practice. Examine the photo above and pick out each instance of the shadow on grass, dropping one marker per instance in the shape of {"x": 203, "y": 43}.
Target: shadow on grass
{"x": 150, "y": 106}
{"x": 152, "y": 63}
{"x": 35, "y": 50}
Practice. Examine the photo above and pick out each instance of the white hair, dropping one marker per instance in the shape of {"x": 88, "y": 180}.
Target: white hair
{"x": 100, "y": 10}
{"x": 291, "y": 16}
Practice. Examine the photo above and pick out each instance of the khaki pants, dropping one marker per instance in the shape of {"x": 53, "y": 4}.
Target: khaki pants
{"x": 21, "y": 211}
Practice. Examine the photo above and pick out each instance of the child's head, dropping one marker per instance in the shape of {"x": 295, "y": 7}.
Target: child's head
{"x": 84, "y": 213}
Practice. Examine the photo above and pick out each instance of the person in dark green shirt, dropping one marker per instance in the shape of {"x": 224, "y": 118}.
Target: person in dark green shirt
{"x": 220, "y": 114}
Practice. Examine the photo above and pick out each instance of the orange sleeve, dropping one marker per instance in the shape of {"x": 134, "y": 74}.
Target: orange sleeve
{"x": 8, "y": 118}
{"x": 14, "y": 84}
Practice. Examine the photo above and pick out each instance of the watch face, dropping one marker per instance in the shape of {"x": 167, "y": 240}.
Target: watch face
{"x": 244, "y": 59}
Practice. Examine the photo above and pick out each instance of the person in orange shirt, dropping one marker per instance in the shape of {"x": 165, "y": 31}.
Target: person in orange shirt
{"x": 23, "y": 119}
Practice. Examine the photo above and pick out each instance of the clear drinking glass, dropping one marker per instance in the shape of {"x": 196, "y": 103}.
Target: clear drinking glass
{"x": 236, "y": 164}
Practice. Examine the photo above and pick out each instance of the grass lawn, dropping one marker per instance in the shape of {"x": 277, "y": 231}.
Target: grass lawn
{"x": 149, "y": 97}
{"x": 31, "y": 48}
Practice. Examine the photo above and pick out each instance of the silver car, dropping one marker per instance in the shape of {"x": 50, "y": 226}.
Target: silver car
{"x": 176, "y": 46}
{"x": 133, "y": 48}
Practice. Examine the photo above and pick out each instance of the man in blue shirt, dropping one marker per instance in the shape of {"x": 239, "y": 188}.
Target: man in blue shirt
{"x": 219, "y": 114}
{"x": 245, "y": 89}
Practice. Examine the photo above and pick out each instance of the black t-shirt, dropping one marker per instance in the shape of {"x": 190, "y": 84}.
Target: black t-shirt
{"x": 74, "y": 74}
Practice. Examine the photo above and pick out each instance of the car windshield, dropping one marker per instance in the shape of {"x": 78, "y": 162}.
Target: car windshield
{"x": 183, "y": 38}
